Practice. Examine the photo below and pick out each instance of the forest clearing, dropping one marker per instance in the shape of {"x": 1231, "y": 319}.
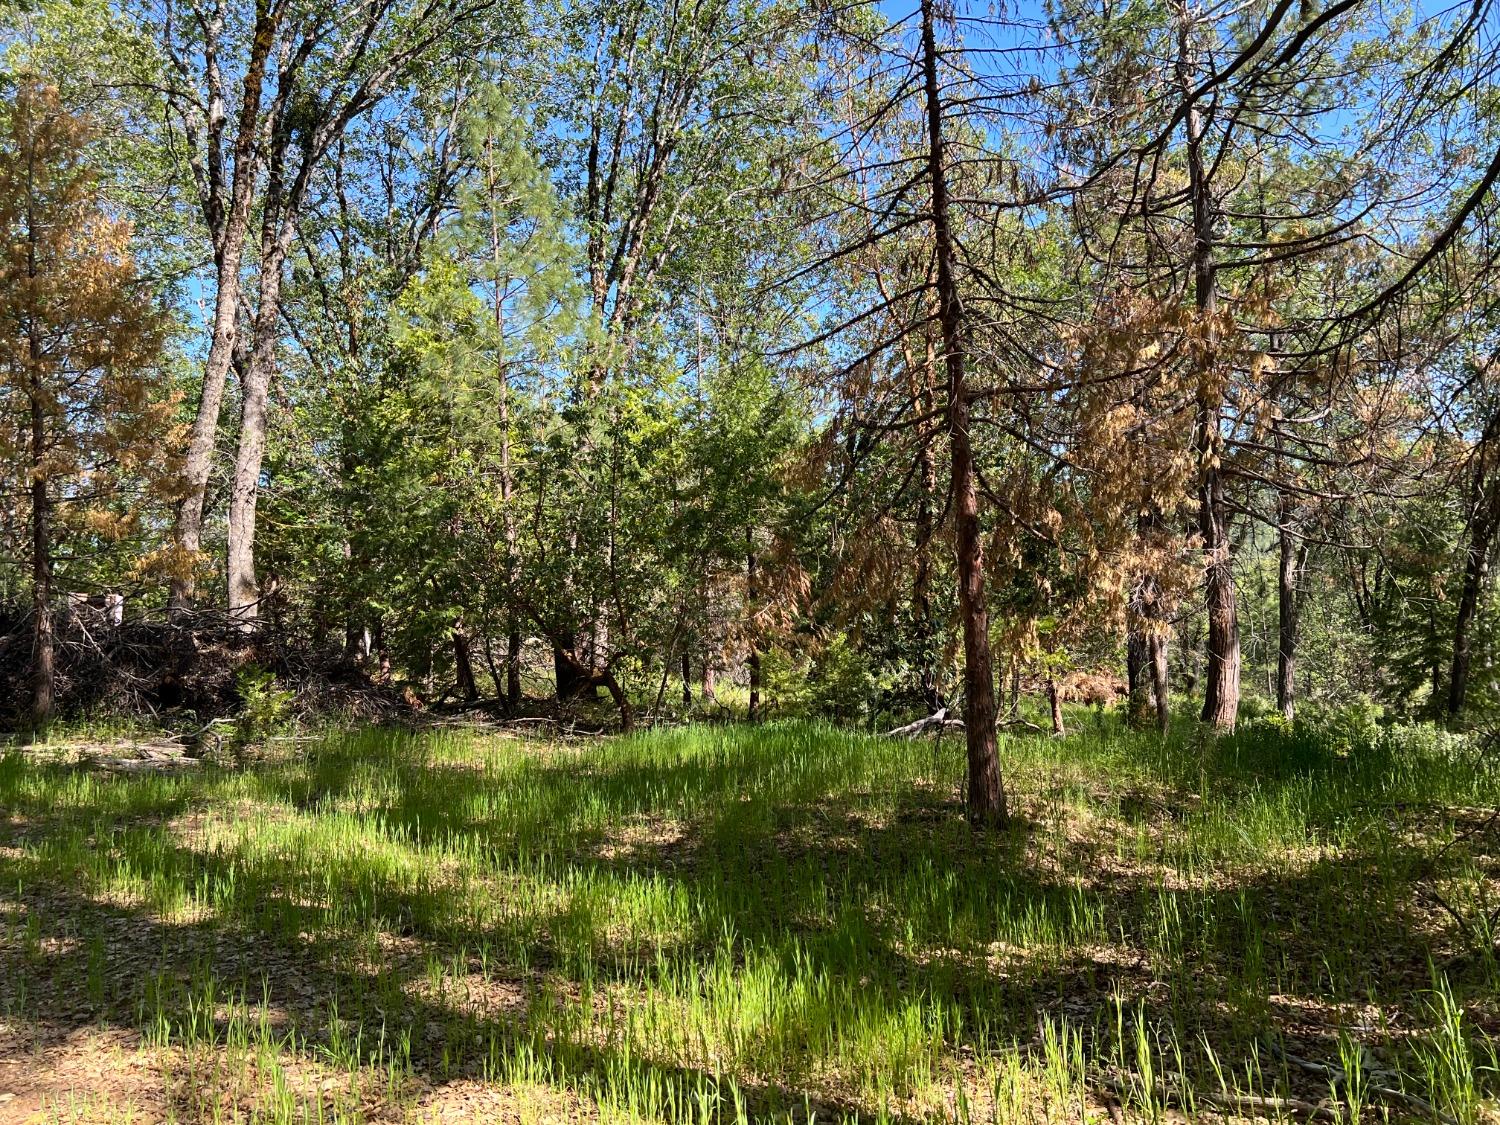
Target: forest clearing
{"x": 713, "y": 923}
{"x": 718, "y": 561}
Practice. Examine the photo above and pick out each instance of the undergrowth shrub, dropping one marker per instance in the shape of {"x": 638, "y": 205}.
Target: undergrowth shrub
{"x": 266, "y": 706}
{"x": 843, "y": 684}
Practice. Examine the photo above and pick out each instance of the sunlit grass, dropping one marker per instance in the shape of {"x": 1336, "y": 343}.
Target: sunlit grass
{"x": 720, "y": 922}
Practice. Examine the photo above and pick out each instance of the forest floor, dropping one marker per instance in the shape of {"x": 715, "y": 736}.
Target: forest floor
{"x": 787, "y": 922}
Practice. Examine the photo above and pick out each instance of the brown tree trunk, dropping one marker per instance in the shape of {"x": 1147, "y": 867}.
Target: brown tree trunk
{"x": 1221, "y": 697}
{"x": 622, "y": 701}
{"x": 44, "y": 672}
{"x": 752, "y": 592}
{"x": 1293, "y": 557}
{"x": 687, "y": 672}
{"x": 710, "y": 688}
{"x": 1054, "y": 702}
{"x": 604, "y": 677}
{"x": 986, "y": 793}
{"x": 463, "y": 664}
{"x": 1138, "y": 677}
{"x": 569, "y": 676}
{"x": 1160, "y": 690}
{"x": 1483, "y": 523}
{"x": 1476, "y": 569}
{"x": 513, "y": 669}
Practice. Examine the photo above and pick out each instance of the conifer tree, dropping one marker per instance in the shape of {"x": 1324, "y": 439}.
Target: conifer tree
{"x": 79, "y": 412}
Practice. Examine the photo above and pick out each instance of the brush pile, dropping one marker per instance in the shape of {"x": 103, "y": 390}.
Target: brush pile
{"x": 194, "y": 667}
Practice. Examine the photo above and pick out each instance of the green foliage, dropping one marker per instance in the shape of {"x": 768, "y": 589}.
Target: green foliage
{"x": 265, "y": 706}
{"x": 843, "y": 684}
{"x": 700, "y": 906}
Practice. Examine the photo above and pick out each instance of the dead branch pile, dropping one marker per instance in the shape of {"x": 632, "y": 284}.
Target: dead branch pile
{"x": 153, "y": 667}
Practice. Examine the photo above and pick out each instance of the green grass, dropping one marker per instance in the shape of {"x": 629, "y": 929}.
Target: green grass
{"x": 788, "y": 922}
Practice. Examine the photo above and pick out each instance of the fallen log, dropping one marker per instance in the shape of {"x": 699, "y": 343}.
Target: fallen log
{"x": 938, "y": 720}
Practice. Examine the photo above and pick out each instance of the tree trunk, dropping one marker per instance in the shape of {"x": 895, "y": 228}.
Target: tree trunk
{"x": 513, "y": 669}
{"x": 1054, "y": 702}
{"x": 1160, "y": 690}
{"x": 622, "y": 701}
{"x": 197, "y": 465}
{"x": 752, "y": 662}
{"x": 44, "y": 672}
{"x": 687, "y": 672}
{"x": 1138, "y": 677}
{"x": 494, "y": 670}
{"x": 463, "y": 664}
{"x": 710, "y": 689}
{"x": 604, "y": 677}
{"x": 1476, "y": 569}
{"x": 986, "y": 793}
{"x": 1221, "y": 697}
{"x": 1483, "y": 523}
{"x": 1293, "y": 558}
{"x": 229, "y": 231}
{"x": 244, "y": 589}
{"x": 568, "y": 675}
{"x": 383, "y": 672}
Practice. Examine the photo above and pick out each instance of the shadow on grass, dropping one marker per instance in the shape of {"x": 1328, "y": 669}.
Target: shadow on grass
{"x": 889, "y": 905}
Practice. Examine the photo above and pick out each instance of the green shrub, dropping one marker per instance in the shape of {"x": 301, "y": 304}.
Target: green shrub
{"x": 1345, "y": 727}
{"x": 266, "y": 707}
{"x": 843, "y": 684}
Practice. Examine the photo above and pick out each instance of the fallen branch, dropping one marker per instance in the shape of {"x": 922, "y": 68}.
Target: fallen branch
{"x": 1018, "y": 722}
{"x": 1252, "y": 1105}
{"x": 1337, "y": 1076}
{"x": 938, "y": 720}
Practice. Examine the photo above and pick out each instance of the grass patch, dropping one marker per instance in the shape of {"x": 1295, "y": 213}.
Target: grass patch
{"x": 788, "y": 922}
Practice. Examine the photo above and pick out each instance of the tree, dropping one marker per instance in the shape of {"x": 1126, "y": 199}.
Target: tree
{"x": 79, "y": 340}
{"x": 262, "y": 105}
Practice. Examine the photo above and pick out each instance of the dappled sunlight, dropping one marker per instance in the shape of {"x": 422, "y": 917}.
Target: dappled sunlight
{"x": 779, "y": 919}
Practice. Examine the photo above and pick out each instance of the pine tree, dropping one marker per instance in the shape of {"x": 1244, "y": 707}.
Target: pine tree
{"x": 78, "y": 409}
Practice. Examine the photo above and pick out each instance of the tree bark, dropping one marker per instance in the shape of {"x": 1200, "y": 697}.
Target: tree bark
{"x": 44, "y": 671}
{"x": 752, "y": 594}
{"x": 1160, "y": 689}
{"x": 591, "y": 677}
{"x": 228, "y": 227}
{"x": 567, "y": 673}
{"x": 244, "y": 589}
{"x": 1476, "y": 570}
{"x": 986, "y": 793}
{"x": 1054, "y": 703}
{"x": 1483, "y": 523}
{"x": 513, "y": 669}
{"x": 687, "y": 672}
{"x": 1221, "y": 697}
{"x": 1292, "y": 560}
{"x": 1138, "y": 677}
{"x": 463, "y": 664}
